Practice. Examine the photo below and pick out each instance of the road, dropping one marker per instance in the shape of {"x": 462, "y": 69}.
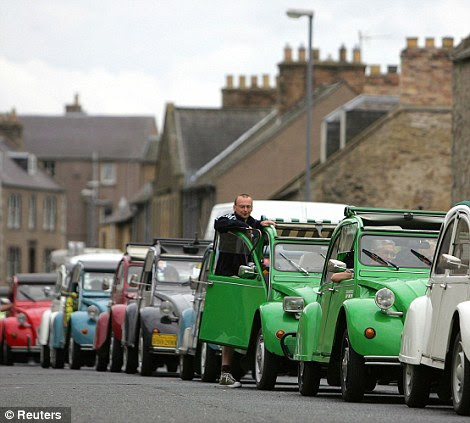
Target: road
{"x": 114, "y": 397}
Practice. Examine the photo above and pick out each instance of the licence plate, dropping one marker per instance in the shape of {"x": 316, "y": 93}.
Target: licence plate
{"x": 163, "y": 340}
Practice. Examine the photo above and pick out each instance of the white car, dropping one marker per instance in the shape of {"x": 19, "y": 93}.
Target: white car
{"x": 435, "y": 347}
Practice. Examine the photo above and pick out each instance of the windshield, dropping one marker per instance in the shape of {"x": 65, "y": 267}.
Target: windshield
{"x": 299, "y": 257}
{"x": 34, "y": 292}
{"x": 177, "y": 271}
{"x": 397, "y": 251}
{"x": 93, "y": 281}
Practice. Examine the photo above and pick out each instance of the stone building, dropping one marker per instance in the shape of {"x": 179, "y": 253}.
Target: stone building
{"x": 461, "y": 122}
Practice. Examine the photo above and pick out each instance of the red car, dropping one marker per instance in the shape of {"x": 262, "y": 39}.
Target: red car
{"x": 30, "y": 295}
{"x": 108, "y": 333}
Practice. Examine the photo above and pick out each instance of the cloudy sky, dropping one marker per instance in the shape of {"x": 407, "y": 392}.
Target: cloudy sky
{"x": 131, "y": 57}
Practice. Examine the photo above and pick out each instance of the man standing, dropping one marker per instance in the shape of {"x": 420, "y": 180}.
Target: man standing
{"x": 227, "y": 265}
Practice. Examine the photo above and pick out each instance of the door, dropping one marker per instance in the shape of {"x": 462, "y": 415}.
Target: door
{"x": 232, "y": 298}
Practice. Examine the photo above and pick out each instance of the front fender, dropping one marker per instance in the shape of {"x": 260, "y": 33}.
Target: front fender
{"x": 273, "y": 319}
{"x": 150, "y": 319}
{"x": 464, "y": 316}
{"x": 363, "y": 313}
{"x": 131, "y": 325}
{"x": 118, "y": 312}
{"x": 308, "y": 332}
{"x": 185, "y": 327}
{"x": 415, "y": 330}
{"x": 43, "y": 331}
{"x": 101, "y": 331}
{"x": 82, "y": 328}
{"x": 16, "y": 335}
{"x": 57, "y": 335}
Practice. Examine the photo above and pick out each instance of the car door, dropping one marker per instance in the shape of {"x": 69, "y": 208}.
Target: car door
{"x": 231, "y": 300}
{"x": 454, "y": 288}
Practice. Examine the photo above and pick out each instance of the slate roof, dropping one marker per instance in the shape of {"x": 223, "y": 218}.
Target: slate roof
{"x": 77, "y": 136}
{"x": 13, "y": 175}
{"x": 204, "y": 133}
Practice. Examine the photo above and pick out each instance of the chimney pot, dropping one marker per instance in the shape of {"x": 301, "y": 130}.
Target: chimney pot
{"x": 287, "y": 54}
{"x": 357, "y": 55}
{"x": 301, "y": 54}
{"x": 265, "y": 81}
{"x": 447, "y": 42}
{"x": 412, "y": 42}
{"x": 229, "y": 82}
{"x": 242, "y": 82}
{"x": 429, "y": 42}
{"x": 375, "y": 69}
{"x": 254, "y": 81}
{"x": 342, "y": 54}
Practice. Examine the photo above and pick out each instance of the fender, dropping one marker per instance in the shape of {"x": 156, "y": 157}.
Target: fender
{"x": 416, "y": 330}
{"x": 274, "y": 318}
{"x": 82, "y": 328}
{"x": 43, "y": 331}
{"x": 1, "y": 329}
{"x": 308, "y": 333}
{"x": 101, "y": 331}
{"x": 21, "y": 333}
{"x": 131, "y": 324}
{"x": 185, "y": 329}
{"x": 151, "y": 318}
{"x": 118, "y": 313}
{"x": 57, "y": 335}
{"x": 464, "y": 315}
{"x": 362, "y": 313}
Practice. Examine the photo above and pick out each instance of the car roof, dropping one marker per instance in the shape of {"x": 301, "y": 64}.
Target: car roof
{"x": 39, "y": 278}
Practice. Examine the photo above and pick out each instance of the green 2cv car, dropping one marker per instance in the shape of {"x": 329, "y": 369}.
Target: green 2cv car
{"x": 378, "y": 261}
{"x": 251, "y": 311}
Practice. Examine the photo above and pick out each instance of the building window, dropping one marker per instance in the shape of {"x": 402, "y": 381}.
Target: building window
{"x": 108, "y": 173}
{"x": 14, "y": 211}
{"x": 13, "y": 261}
{"x": 32, "y": 213}
{"x": 50, "y": 214}
{"x": 48, "y": 260}
{"x": 49, "y": 167}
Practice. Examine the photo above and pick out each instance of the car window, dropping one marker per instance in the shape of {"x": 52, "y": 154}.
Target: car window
{"x": 231, "y": 253}
{"x": 461, "y": 247}
{"x": 288, "y": 257}
{"x": 32, "y": 292}
{"x": 93, "y": 281}
{"x": 444, "y": 248}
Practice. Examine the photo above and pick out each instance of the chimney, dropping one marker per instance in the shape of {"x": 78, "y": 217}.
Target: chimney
{"x": 411, "y": 42}
{"x": 316, "y": 54}
{"x": 254, "y": 81}
{"x": 287, "y": 54}
{"x": 266, "y": 81}
{"x": 447, "y": 42}
{"x": 357, "y": 55}
{"x": 375, "y": 70}
{"x": 429, "y": 42}
{"x": 301, "y": 54}
{"x": 75, "y": 107}
{"x": 342, "y": 54}
{"x": 242, "y": 82}
{"x": 392, "y": 69}
{"x": 229, "y": 83}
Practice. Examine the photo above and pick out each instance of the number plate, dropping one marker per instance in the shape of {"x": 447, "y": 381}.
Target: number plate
{"x": 164, "y": 340}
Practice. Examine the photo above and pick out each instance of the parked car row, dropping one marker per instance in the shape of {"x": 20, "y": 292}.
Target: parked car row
{"x": 378, "y": 296}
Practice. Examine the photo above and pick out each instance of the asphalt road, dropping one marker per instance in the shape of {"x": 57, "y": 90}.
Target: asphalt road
{"x": 114, "y": 397}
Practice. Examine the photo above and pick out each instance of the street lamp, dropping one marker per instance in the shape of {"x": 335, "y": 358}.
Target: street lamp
{"x": 298, "y": 13}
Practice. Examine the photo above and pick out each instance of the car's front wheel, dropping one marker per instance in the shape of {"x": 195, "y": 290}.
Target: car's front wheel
{"x": 57, "y": 356}
{"x": 7, "y": 353}
{"x": 266, "y": 364}
{"x": 352, "y": 372}
{"x": 44, "y": 356}
{"x": 309, "y": 378}
{"x": 460, "y": 377}
{"x": 416, "y": 385}
{"x": 74, "y": 355}
{"x": 102, "y": 357}
{"x": 146, "y": 359}
{"x": 210, "y": 364}
{"x": 116, "y": 355}
{"x": 186, "y": 367}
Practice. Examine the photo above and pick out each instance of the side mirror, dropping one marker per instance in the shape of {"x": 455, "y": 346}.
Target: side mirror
{"x": 336, "y": 266}
{"x": 192, "y": 283}
{"x": 47, "y": 291}
{"x": 247, "y": 272}
{"x": 134, "y": 281}
{"x": 106, "y": 284}
{"x": 5, "y": 301}
{"x": 452, "y": 262}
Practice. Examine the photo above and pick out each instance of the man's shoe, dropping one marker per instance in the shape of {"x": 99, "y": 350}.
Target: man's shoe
{"x": 228, "y": 381}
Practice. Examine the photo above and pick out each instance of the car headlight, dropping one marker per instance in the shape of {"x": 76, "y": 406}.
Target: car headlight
{"x": 166, "y": 307}
{"x": 93, "y": 312}
{"x": 22, "y": 319}
{"x": 384, "y": 298}
{"x": 293, "y": 304}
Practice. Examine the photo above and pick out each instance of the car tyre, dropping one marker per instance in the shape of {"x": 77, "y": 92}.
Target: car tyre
{"x": 116, "y": 356}
{"x": 186, "y": 367}
{"x": 416, "y": 385}
{"x": 460, "y": 377}
{"x": 146, "y": 359}
{"x": 266, "y": 364}
{"x": 210, "y": 364}
{"x": 309, "y": 378}
{"x": 7, "y": 353}
{"x": 102, "y": 357}
{"x": 352, "y": 372}
{"x": 131, "y": 359}
{"x": 44, "y": 356}
{"x": 74, "y": 355}
{"x": 57, "y": 357}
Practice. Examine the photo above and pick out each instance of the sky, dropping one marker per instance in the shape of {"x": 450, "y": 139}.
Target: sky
{"x": 132, "y": 57}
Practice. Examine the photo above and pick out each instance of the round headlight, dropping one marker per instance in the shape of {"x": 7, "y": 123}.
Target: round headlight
{"x": 93, "y": 312}
{"x": 384, "y": 298}
{"x": 22, "y": 319}
{"x": 166, "y": 307}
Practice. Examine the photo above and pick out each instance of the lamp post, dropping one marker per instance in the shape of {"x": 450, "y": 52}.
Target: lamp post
{"x": 298, "y": 13}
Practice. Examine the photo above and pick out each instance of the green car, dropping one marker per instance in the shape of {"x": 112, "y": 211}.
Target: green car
{"x": 377, "y": 263}
{"x": 255, "y": 307}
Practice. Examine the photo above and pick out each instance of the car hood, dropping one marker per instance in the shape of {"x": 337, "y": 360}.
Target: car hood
{"x": 33, "y": 314}
{"x": 101, "y": 303}
{"x": 405, "y": 290}
{"x": 306, "y": 290}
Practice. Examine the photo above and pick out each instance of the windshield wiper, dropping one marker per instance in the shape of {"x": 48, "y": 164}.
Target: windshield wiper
{"x": 379, "y": 259}
{"x": 297, "y": 266}
{"x": 27, "y": 296}
{"x": 422, "y": 257}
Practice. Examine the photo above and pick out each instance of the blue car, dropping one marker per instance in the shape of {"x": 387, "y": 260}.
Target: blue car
{"x": 88, "y": 295}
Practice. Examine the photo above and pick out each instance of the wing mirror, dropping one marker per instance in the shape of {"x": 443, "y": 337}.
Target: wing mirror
{"x": 247, "y": 272}
{"x": 192, "y": 282}
{"x": 106, "y": 284}
{"x": 452, "y": 262}
{"x": 134, "y": 281}
{"x": 335, "y": 266}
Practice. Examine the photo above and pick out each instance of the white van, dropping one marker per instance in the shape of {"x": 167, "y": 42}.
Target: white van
{"x": 287, "y": 210}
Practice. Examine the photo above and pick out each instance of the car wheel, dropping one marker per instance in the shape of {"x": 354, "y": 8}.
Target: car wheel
{"x": 416, "y": 385}
{"x": 131, "y": 359}
{"x": 210, "y": 364}
{"x": 74, "y": 355}
{"x": 460, "y": 378}
{"x": 352, "y": 372}
{"x": 116, "y": 355}
{"x": 44, "y": 357}
{"x": 266, "y": 364}
{"x": 7, "y": 353}
{"x": 146, "y": 359}
{"x": 102, "y": 357}
{"x": 309, "y": 378}
{"x": 186, "y": 367}
{"x": 57, "y": 357}
{"x": 172, "y": 366}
